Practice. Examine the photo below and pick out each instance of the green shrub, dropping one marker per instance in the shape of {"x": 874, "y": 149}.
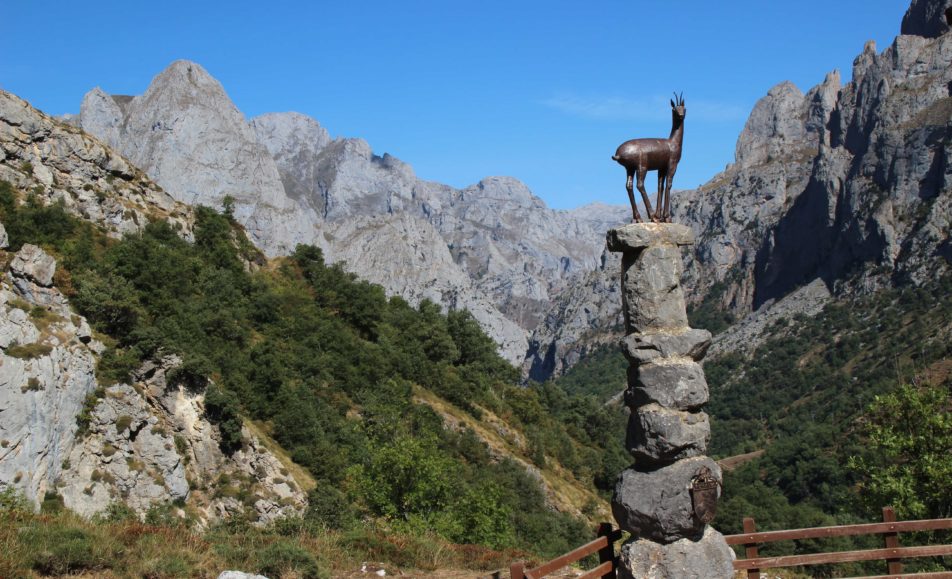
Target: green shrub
{"x": 63, "y": 549}
{"x": 283, "y": 558}
{"x": 123, "y": 423}
{"x": 221, "y": 407}
{"x": 330, "y": 507}
{"x": 52, "y": 502}
{"x": 12, "y": 500}
{"x": 32, "y": 385}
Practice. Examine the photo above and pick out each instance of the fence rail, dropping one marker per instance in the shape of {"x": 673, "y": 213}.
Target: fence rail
{"x": 604, "y": 545}
{"x": 892, "y": 553}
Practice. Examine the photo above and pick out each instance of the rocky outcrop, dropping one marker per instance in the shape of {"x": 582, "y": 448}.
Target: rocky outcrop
{"x": 47, "y": 368}
{"x": 144, "y": 444}
{"x": 59, "y": 163}
{"x": 150, "y": 444}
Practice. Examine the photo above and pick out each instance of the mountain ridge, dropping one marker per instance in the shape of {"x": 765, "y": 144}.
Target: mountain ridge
{"x": 509, "y": 252}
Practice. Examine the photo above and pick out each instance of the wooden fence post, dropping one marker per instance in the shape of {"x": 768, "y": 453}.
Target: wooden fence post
{"x": 751, "y": 548}
{"x": 608, "y": 553}
{"x": 516, "y": 571}
{"x": 894, "y": 566}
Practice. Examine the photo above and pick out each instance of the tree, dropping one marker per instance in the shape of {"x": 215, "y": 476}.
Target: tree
{"x": 910, "y": 463}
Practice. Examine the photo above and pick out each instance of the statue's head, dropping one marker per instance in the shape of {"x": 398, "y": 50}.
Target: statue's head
{"x": 677, "y": 106}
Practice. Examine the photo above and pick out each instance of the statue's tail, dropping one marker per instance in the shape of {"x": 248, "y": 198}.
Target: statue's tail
{"x": 614, "y": 157}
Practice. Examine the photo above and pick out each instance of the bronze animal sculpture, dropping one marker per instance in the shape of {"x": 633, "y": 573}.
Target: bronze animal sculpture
{"x": 638, "y": 156}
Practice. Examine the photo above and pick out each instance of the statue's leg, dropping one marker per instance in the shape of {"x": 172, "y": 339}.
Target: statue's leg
{"x": 660, "y": 201}
{"x": 635, "y": 218}
{"x": 667, "y": 195}
{"x": 644, "y": 194}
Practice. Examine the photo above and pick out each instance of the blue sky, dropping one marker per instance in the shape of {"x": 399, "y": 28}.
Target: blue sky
{"x": 542, "y": 91}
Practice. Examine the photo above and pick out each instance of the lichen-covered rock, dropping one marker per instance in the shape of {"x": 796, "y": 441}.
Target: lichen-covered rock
{"x": 676, "y": 383}
{"x": 239, "y": 575}
{"x": 706, "y": 558}
{"x": 656, "y": 504}
{"x": 658, "y": 435}
{"x": 127, "y": 456}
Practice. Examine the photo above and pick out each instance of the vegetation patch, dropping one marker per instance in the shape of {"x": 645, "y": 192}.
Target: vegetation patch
{"x": 29, "y": 351}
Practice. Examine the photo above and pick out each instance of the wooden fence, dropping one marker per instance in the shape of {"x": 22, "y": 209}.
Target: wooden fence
{"x": 604, "y": 545}
{"x": 892, "y": 553}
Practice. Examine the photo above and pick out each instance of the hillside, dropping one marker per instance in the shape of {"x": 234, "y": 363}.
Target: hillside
{"x": 194, "y": 381}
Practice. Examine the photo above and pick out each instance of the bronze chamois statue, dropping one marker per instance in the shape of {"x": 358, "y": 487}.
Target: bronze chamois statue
{"x": 638, "y": 156}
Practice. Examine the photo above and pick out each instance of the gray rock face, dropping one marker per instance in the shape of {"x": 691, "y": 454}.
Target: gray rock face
{"x": 34, "y": 264}
{"x": 656, "y": 504}
{"x": 929, "y": 18}
{"x": 59, "y": 163}
{"x": 182, "y": 131}
{"x": 151, "y": 443}
{"x": 46, "y": 371}
{"x": 705, "y": 558}
{"x": 658, "y": 435}
{"x": 239, "y": 575}
{"x": 143, "y": 444}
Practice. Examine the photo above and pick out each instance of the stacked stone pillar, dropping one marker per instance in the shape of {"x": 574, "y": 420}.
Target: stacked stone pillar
{"x": 659, "y": 498}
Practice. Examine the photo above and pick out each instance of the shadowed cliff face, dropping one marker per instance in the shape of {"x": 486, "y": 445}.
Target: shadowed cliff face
{"x": 847, "y": 184}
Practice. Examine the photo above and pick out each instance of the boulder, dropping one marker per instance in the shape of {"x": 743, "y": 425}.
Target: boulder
{"x": 707, "y": 558}
{"x": 34, "y": 264}
{"x": 688, "y": 342}
{"x": 652, "y": 298}
{"x": 677, "y": 383}
{"x": 661, "y": 435}
{"x": 656, "y": 504}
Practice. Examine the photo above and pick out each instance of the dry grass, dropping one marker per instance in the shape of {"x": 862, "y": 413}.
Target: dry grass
{"x": 61, "y": 544}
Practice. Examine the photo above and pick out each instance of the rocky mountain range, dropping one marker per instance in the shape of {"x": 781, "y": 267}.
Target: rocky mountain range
{"x": 843, "y": 190}
{"x": 493, "y": 248}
